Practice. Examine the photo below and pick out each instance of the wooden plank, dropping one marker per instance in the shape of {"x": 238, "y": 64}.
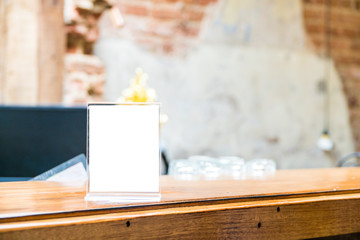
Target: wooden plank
{"x": 51, "y": 51}
{"x": 21, "y": 71}
{"x": 53, "y": 198}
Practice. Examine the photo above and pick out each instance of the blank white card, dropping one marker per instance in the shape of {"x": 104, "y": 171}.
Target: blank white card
{"x": 123, "y": 148}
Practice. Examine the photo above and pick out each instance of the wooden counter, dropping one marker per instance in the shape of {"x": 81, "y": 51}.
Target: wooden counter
{"x": 291, "y": 204}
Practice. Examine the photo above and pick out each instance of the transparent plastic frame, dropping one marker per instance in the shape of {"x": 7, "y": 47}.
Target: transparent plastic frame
{"x": 101, "y": 166}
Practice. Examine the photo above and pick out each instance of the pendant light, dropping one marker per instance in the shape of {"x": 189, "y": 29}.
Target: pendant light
{"x": 324, "y": 142}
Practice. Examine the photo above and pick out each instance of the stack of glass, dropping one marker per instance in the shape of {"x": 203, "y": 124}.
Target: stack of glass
{"x": 209, "y": 168}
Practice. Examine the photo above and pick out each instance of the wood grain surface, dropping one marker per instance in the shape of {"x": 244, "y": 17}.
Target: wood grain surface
{"x": 32, "y": 48}
{"x": 291, "y": 204}
{"x": 52, "y": 42}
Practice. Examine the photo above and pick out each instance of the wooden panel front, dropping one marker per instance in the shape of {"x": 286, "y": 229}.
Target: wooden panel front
{"x": 296, "y": 218}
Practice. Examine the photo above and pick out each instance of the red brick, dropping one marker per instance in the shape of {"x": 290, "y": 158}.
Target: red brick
{"x": 345, "y": 18}
{"x": 170, "y": 27}
{"x": 316, "y": 13}
{"x": 199, "y": 2}
{"x": 334, "y": 3}
{"x": 166, "y": 13}
{"x": 165, "y": 29}
{"x": 156, "y": 2}
{"x": 140, "y": 10}
{"x": 353, "y": 101}
{"x": 315, "y": 28}
{"x": 342, "y": 3}
{"x": 168, "y": 47}
{"x": 336, "y": 42}
{"x": 348, "y": 33}
{"x": 193, "y": 15}
{"x": 314, "y": 1}
{"x": 339, "y": 44}
{"x": 206, "y": 2}
{"x": 355, "y": 45}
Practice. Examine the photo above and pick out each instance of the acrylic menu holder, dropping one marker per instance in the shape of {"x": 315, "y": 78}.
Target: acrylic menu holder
{"x": 123, "y": 153}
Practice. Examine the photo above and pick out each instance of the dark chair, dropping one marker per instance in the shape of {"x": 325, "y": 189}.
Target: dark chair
{"x": 33, "y": 139}
{"x": 350, "y": 160}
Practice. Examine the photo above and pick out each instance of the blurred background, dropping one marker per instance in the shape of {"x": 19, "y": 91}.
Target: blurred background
{"x": 276, "y": 79}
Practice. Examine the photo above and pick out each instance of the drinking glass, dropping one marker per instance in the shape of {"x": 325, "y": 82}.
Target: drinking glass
{"x": 260, "y": 167}
{"x": 209, "y": 167}
{"x": 184, "y": 169}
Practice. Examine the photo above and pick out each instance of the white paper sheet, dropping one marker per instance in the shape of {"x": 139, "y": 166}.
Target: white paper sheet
{"x": 75, "y": 173}
{"x": 123, "y": 148}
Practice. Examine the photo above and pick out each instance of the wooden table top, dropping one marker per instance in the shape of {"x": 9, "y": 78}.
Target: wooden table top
{"x": 21, "y": 200}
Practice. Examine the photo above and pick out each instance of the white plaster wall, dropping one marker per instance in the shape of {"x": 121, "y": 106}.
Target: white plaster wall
{"x": 264, "y": 23}
{"x": 231, "y": 97}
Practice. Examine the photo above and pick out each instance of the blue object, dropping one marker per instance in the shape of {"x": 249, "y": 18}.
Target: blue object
{"x": 34, "y": 139}
{"x": 13, "y": 179}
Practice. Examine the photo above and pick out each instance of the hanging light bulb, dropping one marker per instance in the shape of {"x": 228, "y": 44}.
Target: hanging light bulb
{"x": 324, "y": 142}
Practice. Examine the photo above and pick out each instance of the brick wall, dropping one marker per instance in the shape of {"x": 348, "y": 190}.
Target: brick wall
{"x": 164, "y": 26}
{"x": 161, "y": 26}
{"x": 344, "y": 46}
{"x": 84, "y": 77}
